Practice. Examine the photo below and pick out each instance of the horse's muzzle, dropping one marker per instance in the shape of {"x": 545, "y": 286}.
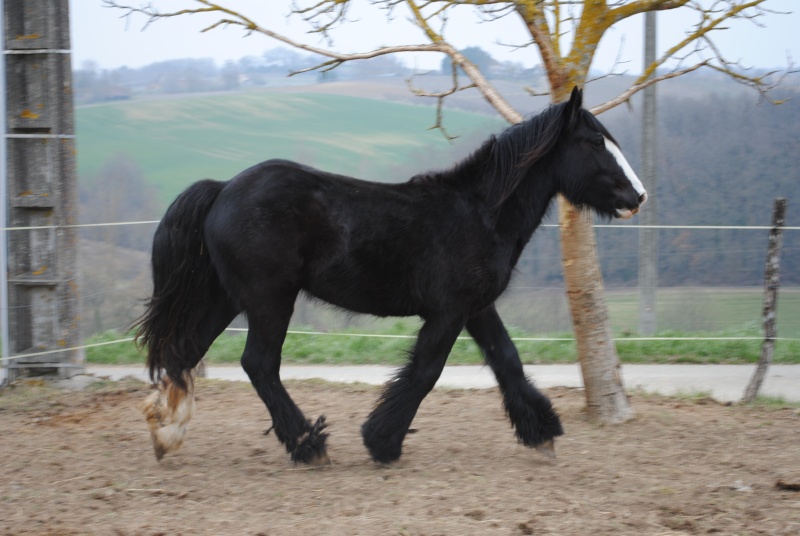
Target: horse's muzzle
{"x": 626, "y": 213}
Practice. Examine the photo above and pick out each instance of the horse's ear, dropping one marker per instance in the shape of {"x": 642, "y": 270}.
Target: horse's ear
{"x": 575, "y": 104}
{"x": 576, "y": 98}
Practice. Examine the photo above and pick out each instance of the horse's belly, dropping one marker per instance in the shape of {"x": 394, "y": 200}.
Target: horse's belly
{"x": 365, "y": 301}
{"x": 390, "y": 292}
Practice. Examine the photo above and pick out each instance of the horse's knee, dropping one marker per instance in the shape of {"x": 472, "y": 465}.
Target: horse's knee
{"x": 168, "y": 411}
{"x": 257, "y": 365}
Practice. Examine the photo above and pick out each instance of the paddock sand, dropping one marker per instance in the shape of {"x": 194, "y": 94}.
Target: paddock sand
{"x": 82, "y": 463}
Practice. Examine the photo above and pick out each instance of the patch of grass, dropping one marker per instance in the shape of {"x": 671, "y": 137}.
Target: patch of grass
{"x": 391, "y": 348}
{"x": 112, "y": 352}
{"x": 730, "y": 351}
{"x": 697, "y": 396}
{"x": 775, "y": 402}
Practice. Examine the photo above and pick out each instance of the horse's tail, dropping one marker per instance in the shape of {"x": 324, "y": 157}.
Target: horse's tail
{"x": 185, "y": 284}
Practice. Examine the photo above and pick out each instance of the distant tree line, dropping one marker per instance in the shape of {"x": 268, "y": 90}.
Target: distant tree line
{"x": 494, "y": 69}
{"x": 94, "y": 84}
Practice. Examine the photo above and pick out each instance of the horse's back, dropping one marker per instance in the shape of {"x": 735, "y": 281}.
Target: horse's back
{"x": 290, "y": 224}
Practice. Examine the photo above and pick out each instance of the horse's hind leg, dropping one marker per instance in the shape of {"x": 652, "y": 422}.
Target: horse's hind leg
{"x": 388, "y": 423}
{"x": 170, "y": 407}
{"x": 304, "y": 441}
{"x": 530, "y": 411}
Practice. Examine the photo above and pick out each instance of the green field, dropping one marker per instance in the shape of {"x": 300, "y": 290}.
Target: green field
{"x": 177, "y": 141}
{"x": 711, "y": 310}
{"x": 348, "y": 347}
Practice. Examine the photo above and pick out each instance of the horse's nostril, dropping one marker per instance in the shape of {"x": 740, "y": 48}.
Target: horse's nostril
{"x": 643, "y": 199}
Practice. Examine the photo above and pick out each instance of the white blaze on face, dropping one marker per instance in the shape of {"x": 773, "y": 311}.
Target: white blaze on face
{"x": 626, "y": 168}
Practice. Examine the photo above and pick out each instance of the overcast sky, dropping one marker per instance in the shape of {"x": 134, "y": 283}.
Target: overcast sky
{"x": 100, "y": 34}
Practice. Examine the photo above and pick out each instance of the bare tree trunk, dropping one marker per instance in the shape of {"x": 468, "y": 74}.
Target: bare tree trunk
{"x": 606, "y": 400}
{"x": 772, "y": 281}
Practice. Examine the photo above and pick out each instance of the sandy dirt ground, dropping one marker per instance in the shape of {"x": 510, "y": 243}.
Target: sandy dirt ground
{"x": 80, "y": 462}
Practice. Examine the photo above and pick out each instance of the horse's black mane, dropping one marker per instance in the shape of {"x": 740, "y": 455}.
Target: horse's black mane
{"x": 503, "y": 161}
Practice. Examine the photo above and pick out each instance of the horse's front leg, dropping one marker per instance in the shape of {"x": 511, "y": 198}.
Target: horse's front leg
{"x": 387, "y": 424}
{"x": 530, "y": 411}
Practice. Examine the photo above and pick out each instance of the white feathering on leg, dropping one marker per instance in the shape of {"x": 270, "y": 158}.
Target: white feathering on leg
{"x": 168, "y": 424}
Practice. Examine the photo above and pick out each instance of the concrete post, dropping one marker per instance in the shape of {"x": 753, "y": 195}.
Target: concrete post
{"x": 41, "y": 190}
{"x": 648, "y": 238}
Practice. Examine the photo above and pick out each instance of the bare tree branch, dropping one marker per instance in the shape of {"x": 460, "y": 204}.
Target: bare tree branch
{"x": 237, "y": 19}
{"x": 635, "y": 88}
{"x": 712, "y": 19}
{"x": 595, "y": 18}
{"x": 537, "y": 25}
{"x": 334, "y": 11}
{"x": 480, "y": 81}
{"x": 440, "y": 96}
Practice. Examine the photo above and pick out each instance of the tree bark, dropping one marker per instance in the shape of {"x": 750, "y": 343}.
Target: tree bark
{"x": 606, "y": 400}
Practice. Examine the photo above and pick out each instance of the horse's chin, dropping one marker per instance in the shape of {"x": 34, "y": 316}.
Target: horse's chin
{"x": 625, "y": 213}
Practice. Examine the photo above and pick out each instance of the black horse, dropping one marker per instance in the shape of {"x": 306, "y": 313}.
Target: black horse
{"x": 441, "y": 246}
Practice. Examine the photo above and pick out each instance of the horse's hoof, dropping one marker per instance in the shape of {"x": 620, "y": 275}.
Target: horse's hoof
{"x": 320, "y": 460}
{"x": 310, "y": 449}
{"x": 548, "y": 448}
{"x": 312, "y": 457}
{"x": 168, "y": 411}
{"x": 384, "y": 454}
{"x": 382, "y": 449}
{"x": 159, "y": 449}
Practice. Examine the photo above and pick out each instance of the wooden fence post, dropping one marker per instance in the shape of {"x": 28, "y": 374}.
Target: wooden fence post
{"x": 772, "y": 281}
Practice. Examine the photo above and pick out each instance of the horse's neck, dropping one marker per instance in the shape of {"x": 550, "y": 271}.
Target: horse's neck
{"x": 522, "y": 212}
{"x": 516, "y": 214}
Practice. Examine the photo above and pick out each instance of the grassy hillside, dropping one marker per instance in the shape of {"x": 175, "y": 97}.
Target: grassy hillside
{"x": 179, "y": 140}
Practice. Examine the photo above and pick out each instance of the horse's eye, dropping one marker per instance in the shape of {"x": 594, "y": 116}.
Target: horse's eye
{"x": 599, "y": 140}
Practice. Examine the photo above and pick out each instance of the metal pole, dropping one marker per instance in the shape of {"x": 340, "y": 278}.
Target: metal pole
{"x": 648, "y": 238}
{"x": 3, "y": 204}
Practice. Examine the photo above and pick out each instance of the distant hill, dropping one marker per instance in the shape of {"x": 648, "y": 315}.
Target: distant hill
{"x": 179, "y": 139}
